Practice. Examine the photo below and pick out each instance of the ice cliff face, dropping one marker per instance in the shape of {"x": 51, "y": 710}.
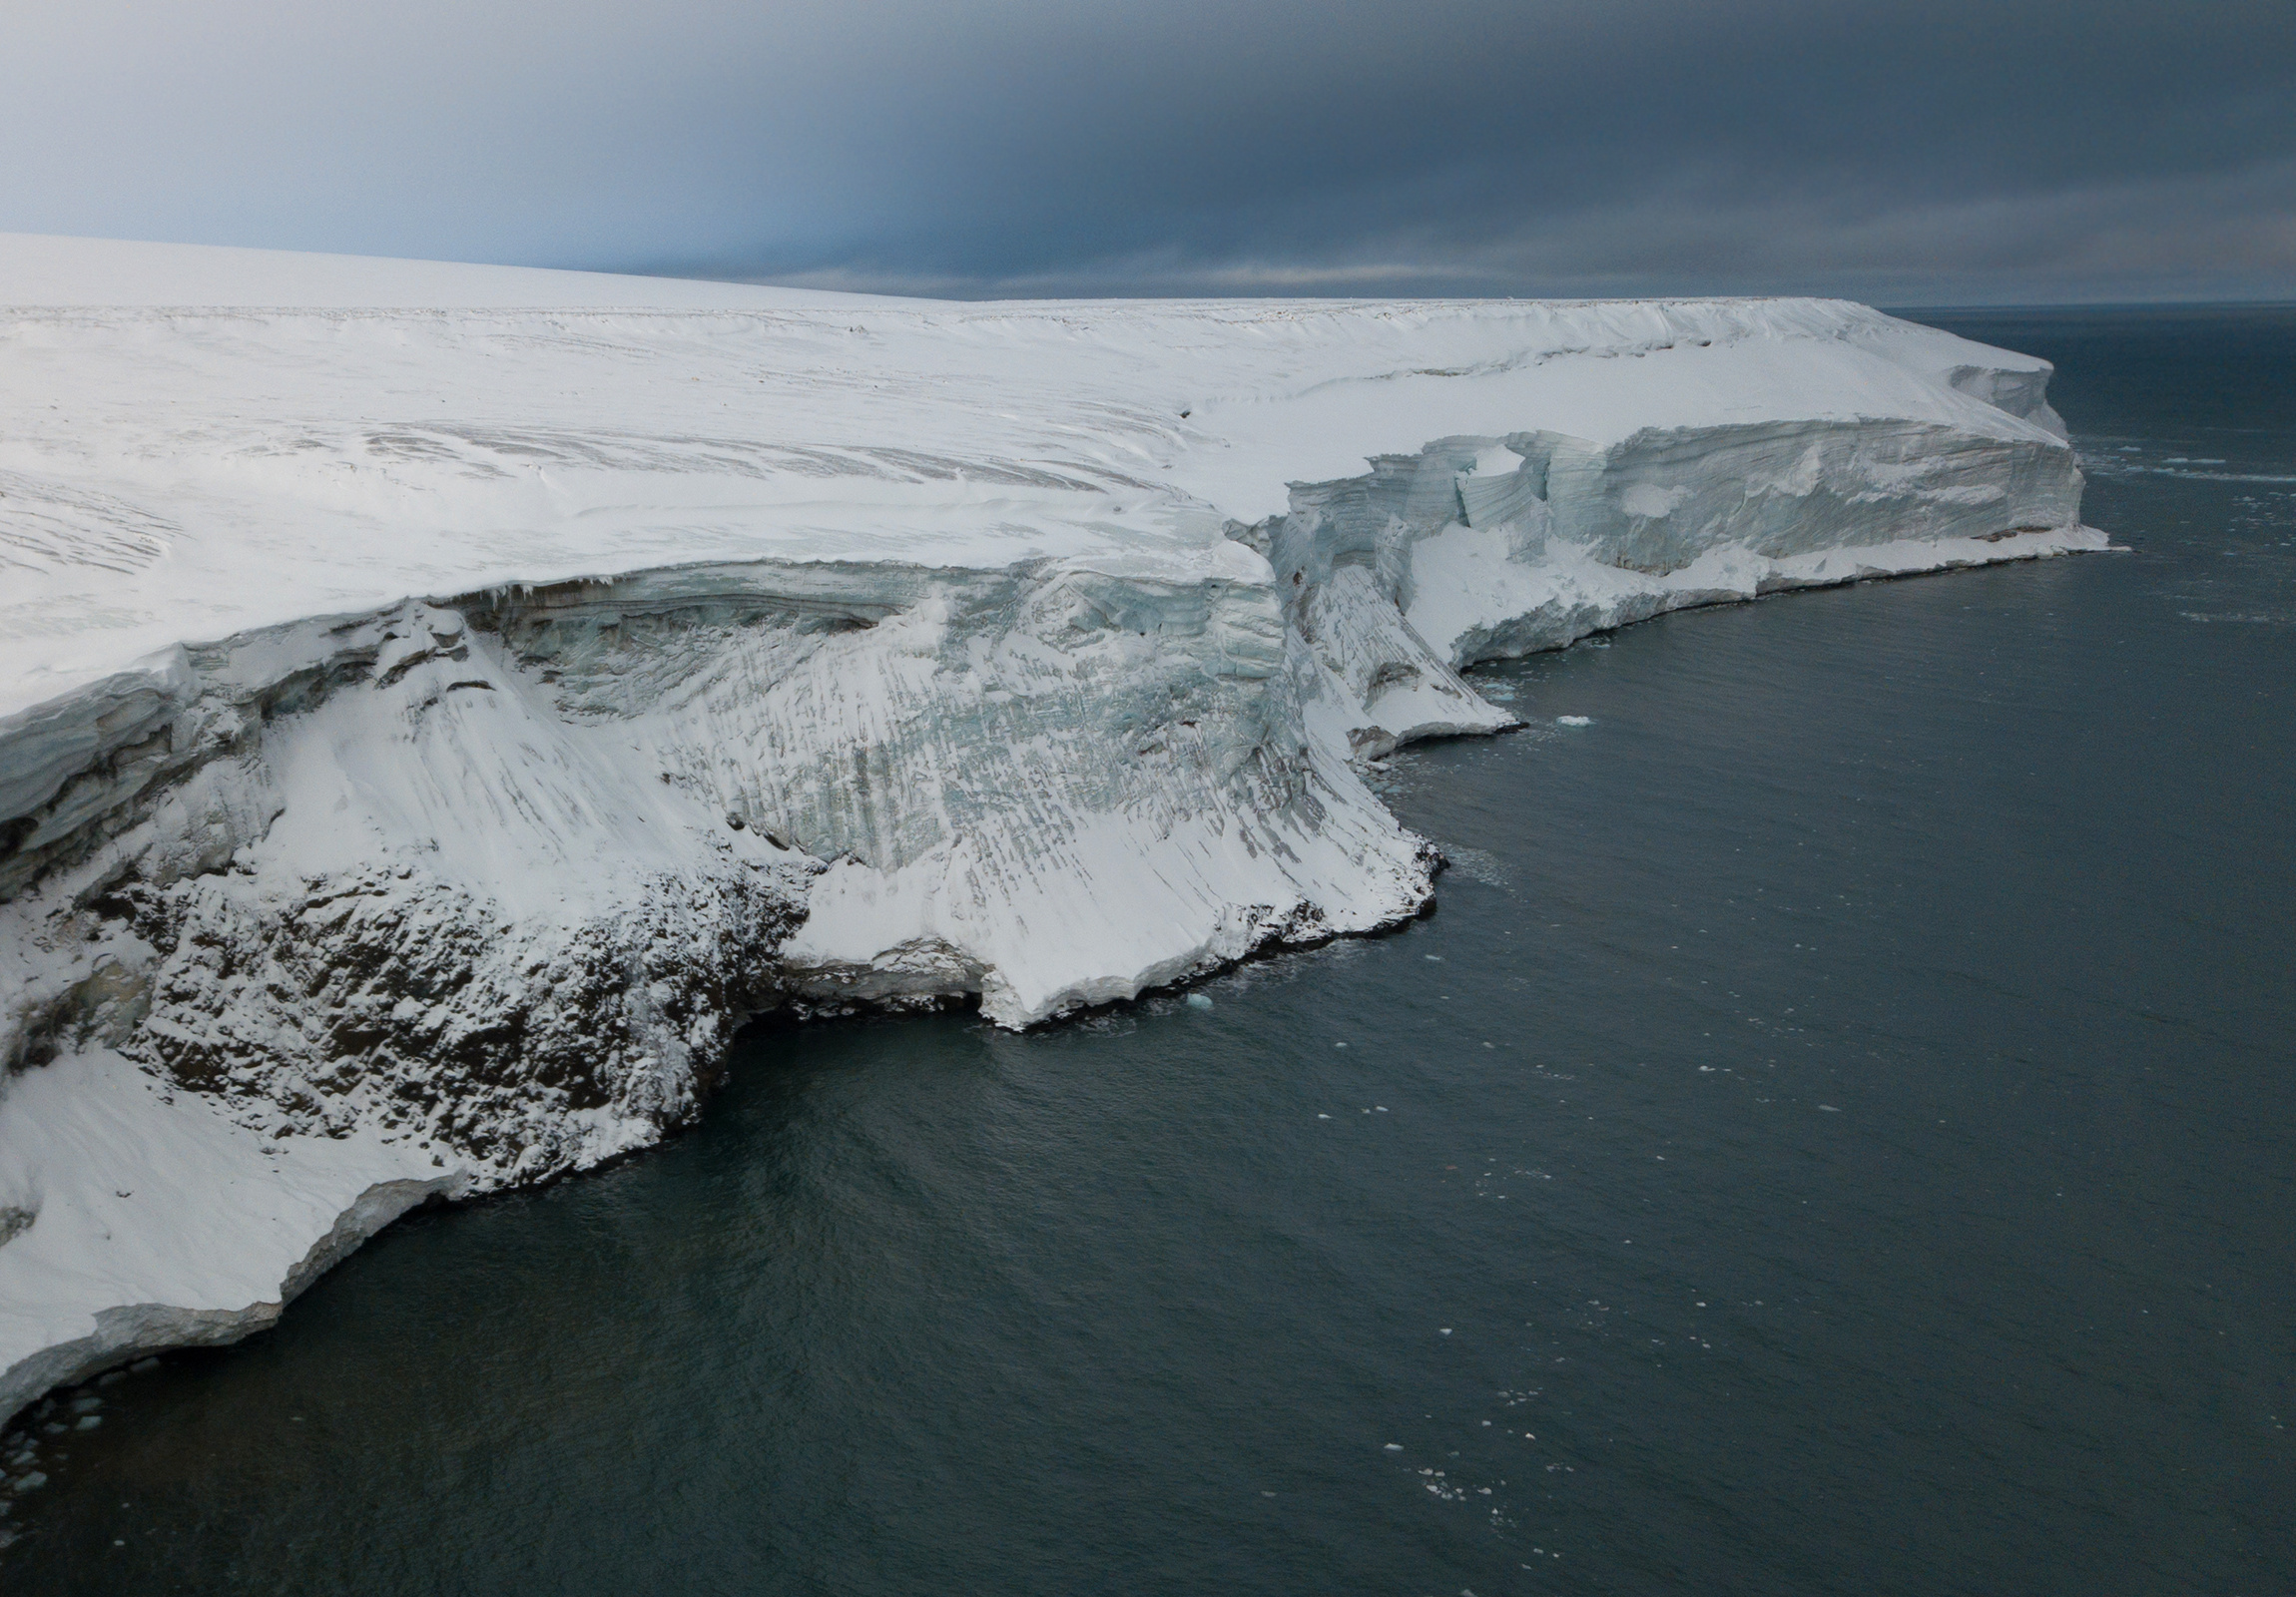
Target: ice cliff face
{"x": 1487, "y": 547}
{"x": 426, "y": 734}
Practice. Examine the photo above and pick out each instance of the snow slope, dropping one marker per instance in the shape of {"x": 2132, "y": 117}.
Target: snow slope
{"x": 439, "y": 703}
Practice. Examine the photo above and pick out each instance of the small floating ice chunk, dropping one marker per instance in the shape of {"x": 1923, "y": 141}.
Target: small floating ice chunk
{"x": 1392, "y": 1447}
{"x": 1575, "y": 721}
{"x": 1829, "y": 1109}
{"x": 1197, "y": 1000}
{"x": 1447, "y": 1331}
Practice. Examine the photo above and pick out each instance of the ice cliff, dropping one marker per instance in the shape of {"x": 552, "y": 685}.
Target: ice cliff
{"x": 439, "y": 705}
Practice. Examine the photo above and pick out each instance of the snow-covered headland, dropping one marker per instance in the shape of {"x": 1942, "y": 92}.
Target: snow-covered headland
{"x": 439, "y": 703}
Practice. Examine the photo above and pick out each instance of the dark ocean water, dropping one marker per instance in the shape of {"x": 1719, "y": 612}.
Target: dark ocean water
{"x": 1837, "y": 1136}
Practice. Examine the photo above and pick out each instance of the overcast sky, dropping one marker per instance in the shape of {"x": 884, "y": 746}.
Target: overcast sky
{"x": 1906, "y": 152}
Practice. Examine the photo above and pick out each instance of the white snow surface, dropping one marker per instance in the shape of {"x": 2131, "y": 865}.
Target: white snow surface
{"x": 438, "y": 703}
{"x": 178, "y": 471}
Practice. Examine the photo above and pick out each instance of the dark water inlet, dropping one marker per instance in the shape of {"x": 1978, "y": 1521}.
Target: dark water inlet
{"x": 1834, "y": 1137}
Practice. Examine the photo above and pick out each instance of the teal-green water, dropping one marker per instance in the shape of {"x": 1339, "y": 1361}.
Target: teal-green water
{"x": 1834, "y": 1138}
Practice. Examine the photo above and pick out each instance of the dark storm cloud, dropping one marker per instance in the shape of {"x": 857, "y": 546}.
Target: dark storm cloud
{"x": 1890, "y": 151}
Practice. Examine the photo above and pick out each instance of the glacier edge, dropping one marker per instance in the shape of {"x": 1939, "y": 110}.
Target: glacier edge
{"x": 450, "y": 893}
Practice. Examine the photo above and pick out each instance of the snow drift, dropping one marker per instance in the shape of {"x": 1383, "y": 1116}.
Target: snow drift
{"x": 439, "y": 705}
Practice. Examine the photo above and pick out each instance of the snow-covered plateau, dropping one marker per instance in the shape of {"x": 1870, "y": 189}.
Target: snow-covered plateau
{"x": 438, "y": 705}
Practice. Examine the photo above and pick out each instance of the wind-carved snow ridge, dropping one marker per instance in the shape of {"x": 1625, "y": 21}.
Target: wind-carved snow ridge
{"x": 778, "y": 652}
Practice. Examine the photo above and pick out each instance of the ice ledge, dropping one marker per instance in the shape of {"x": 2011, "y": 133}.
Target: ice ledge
{"x": 130, "y": 1331}
{"x": 148, "y": 1219}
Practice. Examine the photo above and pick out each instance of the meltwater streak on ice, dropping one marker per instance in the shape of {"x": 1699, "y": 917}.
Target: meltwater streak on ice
{"x": 1993, "y": 867}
